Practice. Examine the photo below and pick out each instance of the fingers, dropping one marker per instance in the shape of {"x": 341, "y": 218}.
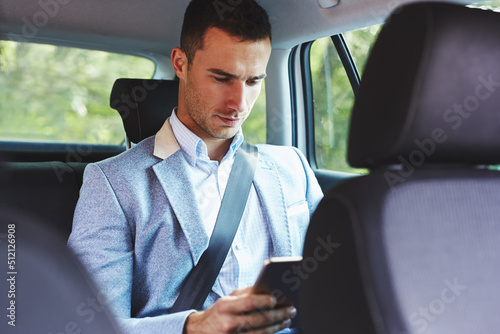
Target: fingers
{"x": 267, "y": 320}
{"x": 245, "y": 302}
{"x": 239, "y": 292}
{"x": 255, "y": 314}
{"x": 267, "y": 330}
{"x": 241, "y": 313}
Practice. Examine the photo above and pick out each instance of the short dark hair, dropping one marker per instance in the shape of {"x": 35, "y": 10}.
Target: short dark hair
{"x": 240, "y": 18}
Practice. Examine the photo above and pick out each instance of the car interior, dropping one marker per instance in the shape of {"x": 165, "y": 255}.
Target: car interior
{"x": 393, "y": 103}
{"x": 417, "y": 243}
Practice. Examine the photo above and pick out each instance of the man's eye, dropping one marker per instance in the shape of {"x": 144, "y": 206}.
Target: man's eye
{"x": 218, "y": 79}
{"x": 252, "y": 82}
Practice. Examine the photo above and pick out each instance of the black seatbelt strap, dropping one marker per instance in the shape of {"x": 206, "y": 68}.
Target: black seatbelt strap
{"x": 200, "y": 280}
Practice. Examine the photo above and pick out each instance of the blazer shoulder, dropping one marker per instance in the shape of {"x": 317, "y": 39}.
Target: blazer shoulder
{"x": 138, "y": 156}
{"x": 281, "y": 154}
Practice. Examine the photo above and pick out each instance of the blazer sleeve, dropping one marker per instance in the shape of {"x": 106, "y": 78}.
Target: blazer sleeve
{"x": 314, "y": 194}
{"x": 103, "y": 240}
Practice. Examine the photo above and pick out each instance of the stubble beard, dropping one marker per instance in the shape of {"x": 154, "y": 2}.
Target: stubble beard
{"x": 198, "y": 112}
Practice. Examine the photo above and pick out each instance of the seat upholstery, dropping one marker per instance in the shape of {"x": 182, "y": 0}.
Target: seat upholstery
{"x": 46, "y": 290}
{"x": 413, "y": 247}
{"x": 47, "y": 190}
{"x": 143, "y": 105}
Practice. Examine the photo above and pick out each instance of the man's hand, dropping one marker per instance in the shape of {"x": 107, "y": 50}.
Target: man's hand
{"x": 241, "y": 312}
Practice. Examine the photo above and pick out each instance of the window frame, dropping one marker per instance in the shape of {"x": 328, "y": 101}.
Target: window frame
{"x": 347, "y": 61}
{"x": 301, "y": 53}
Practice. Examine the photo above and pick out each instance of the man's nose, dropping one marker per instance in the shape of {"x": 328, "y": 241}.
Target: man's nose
{"x": 236, "y": 98}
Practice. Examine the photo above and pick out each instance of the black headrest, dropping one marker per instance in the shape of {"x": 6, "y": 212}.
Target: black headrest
{"x": 430, "y": 90}
{"x": 144, "y": 105}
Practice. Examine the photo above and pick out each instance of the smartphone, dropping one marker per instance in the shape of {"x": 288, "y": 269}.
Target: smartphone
{"x": 279, "y": 278}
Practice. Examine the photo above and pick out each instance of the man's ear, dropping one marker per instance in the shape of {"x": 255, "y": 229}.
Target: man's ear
{"x": 179, "y": 62}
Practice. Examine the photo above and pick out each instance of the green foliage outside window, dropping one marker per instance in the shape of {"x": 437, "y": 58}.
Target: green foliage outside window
{"x": 254, "y": 128}
{"x": 333, "y": 96}
{"x": 59, "y": 94}
{"x": 489, "y": 5}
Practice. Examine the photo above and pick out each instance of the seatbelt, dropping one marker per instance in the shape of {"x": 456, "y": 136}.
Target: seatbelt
{"x": 200, "y": 280}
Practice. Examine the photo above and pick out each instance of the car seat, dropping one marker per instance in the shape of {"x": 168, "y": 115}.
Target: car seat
{"x": 44, "y": 288}
{"x": 144, "y": 105}
{"x": 414, "y": 246}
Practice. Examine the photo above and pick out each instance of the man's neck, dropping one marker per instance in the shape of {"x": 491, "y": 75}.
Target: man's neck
{"x": 217, "y": 148}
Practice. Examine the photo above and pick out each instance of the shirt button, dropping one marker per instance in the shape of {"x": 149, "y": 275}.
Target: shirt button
{"x": 239, "y": 246}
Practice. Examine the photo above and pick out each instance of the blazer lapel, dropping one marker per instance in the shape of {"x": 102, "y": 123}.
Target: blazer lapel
{"x": 175, "y": 181}
{"x": 178, "y": 186}
{"x": 268, "y": 186}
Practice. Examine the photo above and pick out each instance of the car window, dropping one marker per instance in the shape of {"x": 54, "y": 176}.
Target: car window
{"x": 333, "y": 96}
{"x": 254, "y": 127}
{"x": 490, "y": 5}
{"x": 60, "y": 94}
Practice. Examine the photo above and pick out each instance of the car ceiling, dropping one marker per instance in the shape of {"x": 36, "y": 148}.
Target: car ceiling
{"x": 152, "y": 27}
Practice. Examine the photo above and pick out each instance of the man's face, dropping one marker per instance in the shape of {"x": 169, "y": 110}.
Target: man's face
{"x": 222, "y": 83}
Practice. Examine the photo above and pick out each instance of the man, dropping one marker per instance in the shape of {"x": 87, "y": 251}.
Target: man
{"x": 145, "y": 217}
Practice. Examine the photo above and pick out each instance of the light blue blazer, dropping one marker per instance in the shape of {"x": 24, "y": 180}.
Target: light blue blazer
{"x": 138, "y": 230}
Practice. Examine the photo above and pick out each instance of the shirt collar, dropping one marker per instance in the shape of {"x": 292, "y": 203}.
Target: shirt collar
{"x": 165, "y": 142}
{"x": 174, "y": 135}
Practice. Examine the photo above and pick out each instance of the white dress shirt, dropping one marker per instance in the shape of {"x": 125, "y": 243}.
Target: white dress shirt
{"x": 252, "y": 244}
